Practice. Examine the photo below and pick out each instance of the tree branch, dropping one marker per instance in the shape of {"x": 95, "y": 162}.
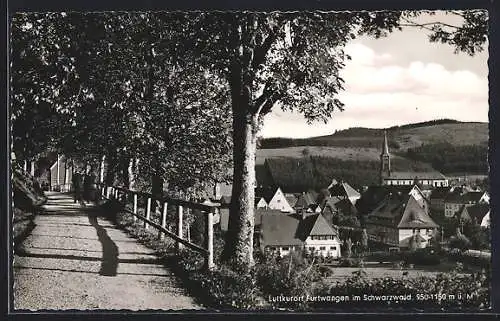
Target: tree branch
{"x": 261, "y": 51}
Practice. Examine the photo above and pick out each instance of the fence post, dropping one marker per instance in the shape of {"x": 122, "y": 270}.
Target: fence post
{"x": 148, "y": 213}
{"x": 209, "y": 259}
{"x": 161, "y": 235}
{"x": 179, "y": 225}
{"x": 135, "y": 206}
{"x": 108, "y": 191}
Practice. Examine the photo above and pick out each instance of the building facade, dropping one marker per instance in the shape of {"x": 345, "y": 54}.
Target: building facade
{"x": 388, "y": 176}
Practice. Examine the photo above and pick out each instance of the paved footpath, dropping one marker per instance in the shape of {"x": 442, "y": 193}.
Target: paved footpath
{"x": 75, "y": 259}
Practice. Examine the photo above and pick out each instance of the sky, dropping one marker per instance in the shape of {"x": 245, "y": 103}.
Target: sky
{"x": 400, "y": 79}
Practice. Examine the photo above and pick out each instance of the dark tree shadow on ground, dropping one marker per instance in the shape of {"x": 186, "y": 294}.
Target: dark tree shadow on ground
{"x": 109, "y": 265}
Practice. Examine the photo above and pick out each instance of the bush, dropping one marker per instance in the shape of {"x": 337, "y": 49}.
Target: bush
{"x": 460, "y": 242}
{"x": 228, "y": 289}
{"x": 476, "y": 286}
{"x": 350, "y": 262}
{"x": 480, "y": 261}
{"x": 422, "y": 257}
{"x": 288, "y": 276}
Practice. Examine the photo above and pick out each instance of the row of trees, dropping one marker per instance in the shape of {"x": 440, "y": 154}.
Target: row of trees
{"x": 448, "y": 158}
{"x": 161, "y": 93}
{"x": 316, "y": 172}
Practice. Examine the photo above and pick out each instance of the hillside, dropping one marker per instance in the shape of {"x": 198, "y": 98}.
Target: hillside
{"x": 27, "y": 199}
{"x": 448, "y": 146}
{"x": 400, "y": 137}
{"x": 294, "y": 174}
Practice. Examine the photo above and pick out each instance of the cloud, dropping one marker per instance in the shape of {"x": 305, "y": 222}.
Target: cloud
{"x": 381, "y": 92}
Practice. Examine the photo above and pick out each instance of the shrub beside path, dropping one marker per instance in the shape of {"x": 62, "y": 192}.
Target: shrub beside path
{"x": 75, "y": 259}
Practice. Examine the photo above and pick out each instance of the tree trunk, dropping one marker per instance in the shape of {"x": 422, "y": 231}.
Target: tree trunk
{"x": 238, "y": 249}
{"x": 111, "y": 168}
{"x": 131, "y": 170}
{"x": 156, "y": 187}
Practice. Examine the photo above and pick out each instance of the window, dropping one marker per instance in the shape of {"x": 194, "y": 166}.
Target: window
{"x": 278, "y": 201}
{"x": 311, "y": 248}
{"x": 322, "y": 248}
{"x": 286, "y": 248}
{"x": 333, "y": 248}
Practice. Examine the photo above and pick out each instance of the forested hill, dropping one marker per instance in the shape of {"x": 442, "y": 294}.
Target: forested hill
{"x": 448, "y": 146}
{"x": 400, "y": 137}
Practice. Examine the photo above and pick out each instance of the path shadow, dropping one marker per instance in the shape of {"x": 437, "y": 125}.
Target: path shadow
{"x": 109, "y": 265}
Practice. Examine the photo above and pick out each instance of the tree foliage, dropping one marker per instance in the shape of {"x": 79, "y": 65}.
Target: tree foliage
{"x": 159, "y": 87}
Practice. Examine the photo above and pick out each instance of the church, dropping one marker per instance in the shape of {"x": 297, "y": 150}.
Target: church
{"x": 427, "y": 180}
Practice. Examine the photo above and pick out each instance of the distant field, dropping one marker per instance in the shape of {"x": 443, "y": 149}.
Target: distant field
{"x": 455, "y": 134}
{"x": 402, "y": 138}
{"x": 343, "y": 153}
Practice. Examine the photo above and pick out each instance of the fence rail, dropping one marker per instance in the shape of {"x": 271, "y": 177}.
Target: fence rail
{"x": 208, "y": 209}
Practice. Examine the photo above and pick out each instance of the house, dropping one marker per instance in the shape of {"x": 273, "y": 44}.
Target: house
{"x": 60, "y": 173}
{"x": 275, "y": 199}
{"x": 328, "y": 209}
{"x": 398, "y": 219}
{"x": 437, "y": 197}
{"x": 376, "y": 194}
{"x": 486, "y": 221}
{"x": 291, "y": 199}
{"x": 260, "y": 202}
{"x": 477, "y": 214}
{"x": 332, "y": 207}
{"x": 425, "y": 179}
{"x": 306, "y": 201}
{"x": 456, "y": 200}
{"x": 342, "y": 189}
{"x": 286, "y": 233}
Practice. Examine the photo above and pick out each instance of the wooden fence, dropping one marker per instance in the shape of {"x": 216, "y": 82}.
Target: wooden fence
{"x": 135, "y": 198}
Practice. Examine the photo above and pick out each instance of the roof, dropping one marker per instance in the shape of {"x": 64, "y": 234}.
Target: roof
{"x": 374, "y": 195}
{"x": 279, "y": 229}
{"x": 321, "y": 226}
{"x": 330, "y": 202}
{"x": 455, "y": 197}
{"x": 477, "y": 211}
{"x": 305, "y": 200}
{"x": 258, "y": 214}
{"x": 291, "y": 199}
{"x": 468, "y": 197}
{"x": 343, "y": 189}
{"x": 346, "y": 207}
{"x": 267, "y": 193}
{"x": 413, "y": 175}
{"x": 440, "y": 192}
{"x": 258, "y": 199}
{"x": 414, "y": 216}
{"x": 473, "y": 197}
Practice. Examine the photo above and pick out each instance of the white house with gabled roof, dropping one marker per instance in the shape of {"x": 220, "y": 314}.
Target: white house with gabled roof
{"x": 279, "y": 202}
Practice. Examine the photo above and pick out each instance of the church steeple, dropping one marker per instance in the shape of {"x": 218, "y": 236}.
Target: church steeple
{"x": 385, "y": 147}
{"x": 385, "y": 160}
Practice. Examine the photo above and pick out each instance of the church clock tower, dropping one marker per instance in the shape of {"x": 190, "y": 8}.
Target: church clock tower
{"x": 385, "y": 160}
